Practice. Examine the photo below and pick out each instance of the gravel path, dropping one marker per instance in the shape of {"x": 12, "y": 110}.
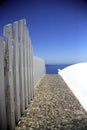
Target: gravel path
{"x": 54, "y": 107}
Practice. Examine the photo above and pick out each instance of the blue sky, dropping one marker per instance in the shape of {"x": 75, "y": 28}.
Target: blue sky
{"x": 58, "y": 28}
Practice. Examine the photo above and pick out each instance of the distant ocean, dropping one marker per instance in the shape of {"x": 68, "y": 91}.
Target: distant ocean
{"x": 53, "y": 69}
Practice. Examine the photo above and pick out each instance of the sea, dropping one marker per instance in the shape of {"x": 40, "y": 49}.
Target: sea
{"x": 53, "y": 69}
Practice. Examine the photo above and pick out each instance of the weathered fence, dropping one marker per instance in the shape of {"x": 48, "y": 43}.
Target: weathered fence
{"x": 16, "y": 73}
{"x": 38, "y": 68}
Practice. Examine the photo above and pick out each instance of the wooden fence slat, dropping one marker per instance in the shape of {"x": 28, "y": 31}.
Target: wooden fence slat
{"x": 31, "y": 69}
{"x": 3, "y": 122}
{"x": 29, "y": 90}
{"x": 26, "y": 63}
{"x": 25, "y": 67}
{"x": 32, "y": 72}
{"x": 21, "y": 66}
{"x": 16, "y": 72}
{"x": 9, "y": 86}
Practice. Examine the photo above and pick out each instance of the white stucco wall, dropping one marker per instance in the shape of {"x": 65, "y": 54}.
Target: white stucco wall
{"x": 76, "y": 78}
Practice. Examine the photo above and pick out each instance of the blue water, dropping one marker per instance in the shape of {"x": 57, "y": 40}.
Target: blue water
{"x": 53, "y": 69}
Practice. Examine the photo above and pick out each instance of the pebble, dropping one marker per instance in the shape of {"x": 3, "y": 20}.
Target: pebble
{"x": 54, "y": 107}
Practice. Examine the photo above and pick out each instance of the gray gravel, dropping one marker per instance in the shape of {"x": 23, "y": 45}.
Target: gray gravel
{"x": 54, "y": 107}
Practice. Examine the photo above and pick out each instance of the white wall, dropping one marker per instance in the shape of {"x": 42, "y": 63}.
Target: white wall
{"x": 76, "y": 78}
{"x": 38, "y": 68}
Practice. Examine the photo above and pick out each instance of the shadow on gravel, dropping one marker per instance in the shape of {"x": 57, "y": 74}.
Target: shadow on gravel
{"x": 75, "y": 124}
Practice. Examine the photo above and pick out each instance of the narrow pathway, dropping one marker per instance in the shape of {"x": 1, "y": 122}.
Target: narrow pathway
{"x": 54, "y": 107}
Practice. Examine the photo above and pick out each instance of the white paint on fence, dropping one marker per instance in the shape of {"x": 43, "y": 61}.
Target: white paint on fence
{"x": 9, "y": 86}
{"x": 32, "y": 80}
{"x": 21, "y": 66}
{"x": 2, "y": 89}
{"x": 16, "y": 71}
{"x": 39, "y": 68}
{"x": 28, "y": 69}
{"x": 19, "y": 72}
{"x": 25, "y": 66}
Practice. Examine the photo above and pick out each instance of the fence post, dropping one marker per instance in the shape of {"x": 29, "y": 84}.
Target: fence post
{"x": 16, "y": 72}
{"x": 21, "y": 65}
{"x": 9, "y": 86}
{"x": 3, "y": 123}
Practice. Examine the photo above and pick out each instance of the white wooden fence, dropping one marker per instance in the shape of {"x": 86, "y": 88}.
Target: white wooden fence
{"x": 17, "y": 78}
{"x": 38, "y": 68}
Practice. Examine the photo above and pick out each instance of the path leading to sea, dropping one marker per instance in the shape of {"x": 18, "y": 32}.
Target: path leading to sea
{"x": 54, "y": 107}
